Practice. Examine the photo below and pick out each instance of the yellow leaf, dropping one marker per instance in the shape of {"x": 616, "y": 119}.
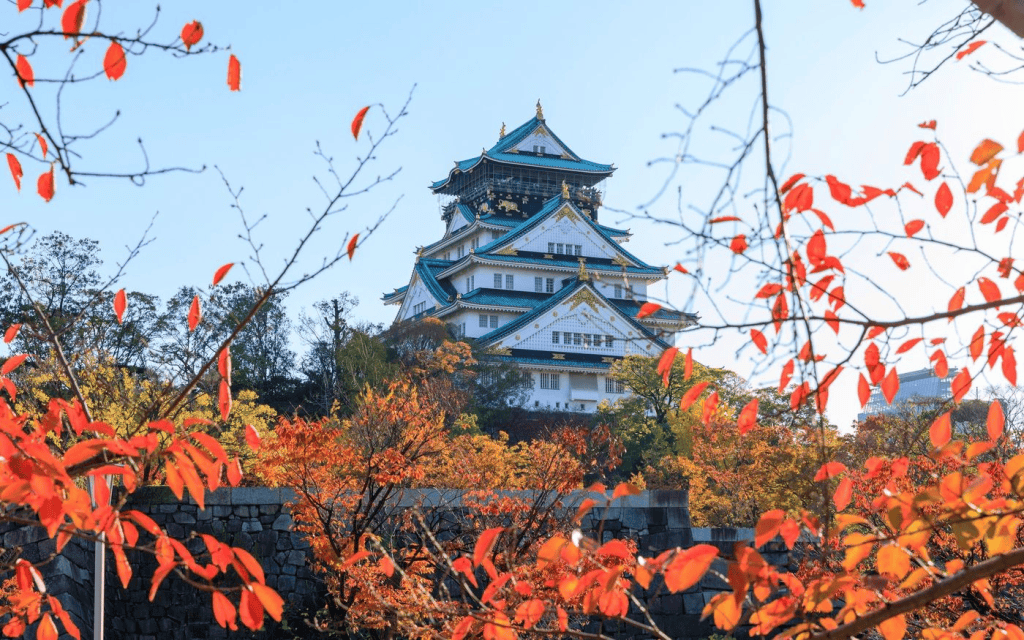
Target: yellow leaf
{"x": 894, "y": 628}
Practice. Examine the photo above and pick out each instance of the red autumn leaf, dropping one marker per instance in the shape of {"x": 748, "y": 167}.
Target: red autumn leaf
{"x": 941, "y": 365}
{"x": 689, "y": 566}
{"x": 985, "y": 151}
{"x": 908, "y": 345}
{"x": 352, "y": 246}
{"x": 843, "y": 494}
{"x": 768, "y": 526}
{"x": 26, "y": 77}
{"x": 16, "y": 171}
{"x": 114, "y": 62}
{"x": 768, "y": 290}
{"x": 24, "y": 4}
{"x": 73, "y": 18}
{"x": 928, "y": 125}
{"x": 800, "y": 198}
{"x": 840, "y": 191}
{"x": 759, "y": 341}
{"x": 907, "y": 185}
{"x": 1009, "y": 366}
{"x": 223, "y": 611}
{"x": 680, "y": 268}
{"x": 688, "y": 364}
{"x": 996, "y": 420}
{"x": 234, "y": 74}
{"x": 11, "y": 333}
{"x": 692, "y": 394}
{"x": 795, "y": 178}
{"x": 665, "y": 363}
{"x": 971, "y": 48}
{"x": 977, "y": 343}
{"x": 913, "y": 152}
{"x": 940, "y": 431}
{"x": 957, "y": 301}
{"x": 961, "y": 385}
{"x": 484, "y": 544}
{"x": 224, "y": 363}
{"x": 252, "y": 437}
{"x": 816, "y": 247}
{"x": 271, "y": 601}
{"x": 724, "y": 219}
{"x": 234, "y": 470}
{"x": 710, "y": 405}
{"x": 195, "y": 314}
{"x": 994, "y": 212}
{"x": 120, "y": 303}
{"x": 647, "y": 309}
{"x": 224, "y": 402}
{"x": 44, "y": 185}
{"x": 829, "y": 470}
{"x": 900, "y": 260}
{"x": 43, "y": 148}
{"x": 12, "y": 363}
{"x": 386, "y": 566}
{"x": 748, "y": 417}
{"x": 221, "y": 272}
{"x": 989, "y": 289}
{"x": 913, "y": 227}
{"x": 739, "y": 243}
{"x": 930, "y": 161}
{"x": 890, "y": 385}
{"x": 943, "y": 200}
{"x": 47, "y": 629}
{"x": 859, "y": 4}
{"x": 786, "y": 376}
{"x": 250, "y": 610}
{"x": 357, "y": 122}
{"x": 191, "y": 34}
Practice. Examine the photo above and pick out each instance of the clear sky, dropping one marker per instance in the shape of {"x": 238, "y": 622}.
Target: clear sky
{"x": 603, "y": 71}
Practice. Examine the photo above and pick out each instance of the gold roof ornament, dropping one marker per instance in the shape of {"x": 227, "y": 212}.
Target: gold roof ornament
{"x": 501, "y": 134}
{"x": 565, "y": 190}
{"x": 540, "y": 110}
{"x": 582, "y": 274}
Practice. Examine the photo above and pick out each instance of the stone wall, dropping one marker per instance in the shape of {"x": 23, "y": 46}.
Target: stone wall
{"x": 256, "y": 519}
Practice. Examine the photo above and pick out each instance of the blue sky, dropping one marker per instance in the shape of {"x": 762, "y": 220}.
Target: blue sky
{"x": 603, "y": 71}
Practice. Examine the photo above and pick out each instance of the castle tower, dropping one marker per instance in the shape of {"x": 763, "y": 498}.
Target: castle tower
{"x": 525, "y": 270}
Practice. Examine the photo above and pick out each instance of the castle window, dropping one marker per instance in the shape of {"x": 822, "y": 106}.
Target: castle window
{"x": 551, "y": 247}
{"x": 494, "y": 322}
{"x": 538, "y": 285}
{"x": 419, "y": 307}
{"x": 549, "y": 381}
{"x": 560, "y": 248}
{"x": 483, "y": 320}
{"x": 554, "y": 337}
{"x": 579, "y": 249}
{"x": 577, "y": 339}
{"x": 470, "y": 283}
{"x": 509, "y": 281}
{"x": 586, "y": 340}
{"x": 461, "y": 251}
{"x": 476, "y": 242}
{"x": 549, "y": 285}
{"x": 495, "y": 235}
{"x": 609, "y": 341}
{"x": 617, "y": 291}
{"x": 611, "y": 385}
{"x": 497, "y": 281}
{"x": 597, "y": 339}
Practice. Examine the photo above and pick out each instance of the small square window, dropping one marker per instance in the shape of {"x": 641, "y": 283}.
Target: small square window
{"x": 509, "y": 282}
{"x": 483, "y": 320}
{"x": 554, "y": 337}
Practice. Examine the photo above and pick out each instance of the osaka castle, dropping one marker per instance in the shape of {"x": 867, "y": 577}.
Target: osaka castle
{"x": 526, "y": 271}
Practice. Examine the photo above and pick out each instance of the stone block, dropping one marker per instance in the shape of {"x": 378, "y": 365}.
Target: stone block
{"x": 693, "y": 603}
{"x": 184, "y": 518}
{"x": 252, "y": 526}
{"x": 634, "y": 519}
{"x": 283, "y": 522}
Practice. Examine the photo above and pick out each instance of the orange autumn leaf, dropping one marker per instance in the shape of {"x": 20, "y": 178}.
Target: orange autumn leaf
{"x": 691, "y": 396}
{"x": 272, "y": 603}
{"x": 120, "y": 303}
{"x": 250, "y": 610}
{"x": 16, "y": 170}
{"x": 224, "y": 401}
{"x": 351, "y": 249}
{"x": 748, "y": 417}
{"x": 12, "y": 333}
{"x": 44, "y": 185}
{"x": 768, "y": 526}
{"x": 971, "y": 48}
{"x": 234, "y": 74}
{"x": 759, "y": 341}
{"x": 221, "y": 272}
{"x": 252, "y": 437}
{"x": 689, "y": 566}
{"x": 863, "y": 390}
{"x": 12, "y": 363}
{"x": 843, "y": 494}
{"x": 890, "y": 385}
{"x": 739, "y": 244}
{"x": 195, "y": 314}
{"x": 647, "y": 309}
{"x": 484, "y": 544}
{"x": 989, "y": 289}
{"x": 900, "y": 260}
{"x": 957, "y": 301}
{"x": 191, "y": 34}
{"x": 913, "y": 227}
{"x": 223, "y": 611}
{"x": 43, "y": 148}
{"x": 114, "y": 62}
{"x": 829, "y": 470}
{"x": 943, "y": 199}
{"x": 895, "y": 628}
{"x": 26, "y": 76}
{"x": 940, "y": 431}
{"x": 357, "y": 122}
{"x": 996, "y": 420}
{"x": 73, "y": 18}
{"x": 665, "y": 363}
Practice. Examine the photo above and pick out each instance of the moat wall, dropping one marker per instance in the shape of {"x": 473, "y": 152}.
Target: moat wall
{"x": 257, "y": 519}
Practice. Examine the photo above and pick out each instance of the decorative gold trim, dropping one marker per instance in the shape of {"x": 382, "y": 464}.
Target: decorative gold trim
{"x": 512, "y": 150}
{"x": 486, "y": 208}
{"x": 554, "y": 314}
{"x": 565, "y": 190}
{"x": 536, "y": 325}
{"x": 507, "y": 251}
{"x": 567, "y": 212}
{"x": 619, "y": 260}
{"x": 558, "y": 356}
{"x": 608, "y": 360}
{"x": 548, "y": 256}
{"x": 585, "y": 296}
{"x": 508, "y": 205}
{"x": 517, "y": 337}
{"x": 501, "y": 134}
{"x": 540, "y": 110}
{"x": 503, "y": 351}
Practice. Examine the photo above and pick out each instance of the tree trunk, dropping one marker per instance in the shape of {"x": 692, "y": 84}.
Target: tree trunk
{"x": 1009, "y": 12}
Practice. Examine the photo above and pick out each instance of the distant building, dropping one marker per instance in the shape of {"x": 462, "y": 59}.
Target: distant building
{"x": 525, "y": 269}
{"x": 916, "y": 388}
